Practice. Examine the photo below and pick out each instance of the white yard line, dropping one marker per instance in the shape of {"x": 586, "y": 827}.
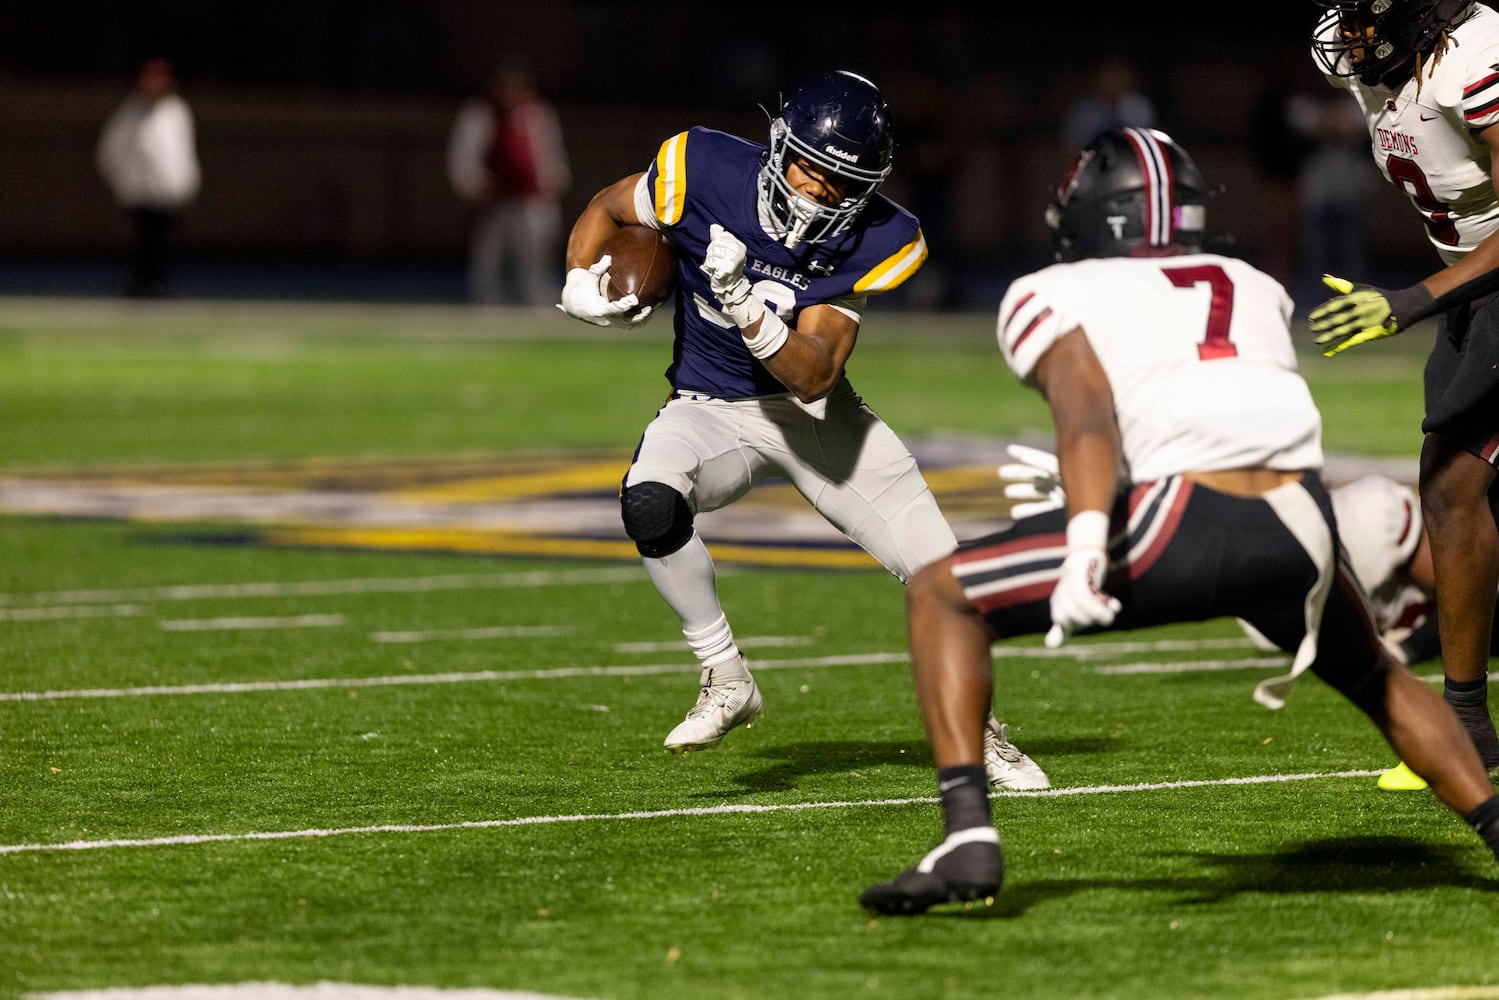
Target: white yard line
{"x": 1194, "y": 666}
{"x": 467, "y": 677}
{"x": 70, "y": 611}
{"x": 1424, "y": 993}
{"x": 1096, "y": 650}
{"x": 743, "y": 642}
{"x": 720, "y": 810}
{"x": 327, "y": 990}
{"x": 493, "y": 632}
{"x": 261, "y": 990}
{"x": 250, "y": 624}
{"x": 357, "y": 585}
{"x": 551, "y": 673}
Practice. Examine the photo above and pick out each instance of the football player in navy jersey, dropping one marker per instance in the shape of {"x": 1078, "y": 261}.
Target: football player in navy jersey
{"x": 1189, "y": 450}
{"x": 1423, "y": 73}
{"x": 777, "y": 251}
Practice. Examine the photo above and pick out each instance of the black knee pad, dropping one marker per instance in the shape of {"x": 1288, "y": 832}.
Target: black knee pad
{"x": 656, "y": 518}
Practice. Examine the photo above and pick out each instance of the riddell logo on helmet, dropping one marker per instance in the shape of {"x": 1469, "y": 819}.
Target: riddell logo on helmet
{"x": 842, "y": 154}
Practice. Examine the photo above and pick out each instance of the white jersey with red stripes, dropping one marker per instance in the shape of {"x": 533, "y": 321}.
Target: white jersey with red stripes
{"x": 1379, "y": 522}
{"x": 1197, "y": 349}
{"x": 1424, "y": 135}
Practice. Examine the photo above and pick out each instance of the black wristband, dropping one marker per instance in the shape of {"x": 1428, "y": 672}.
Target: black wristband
{"x": 1410, "y": 305}
{"x": 1469, "y": 291}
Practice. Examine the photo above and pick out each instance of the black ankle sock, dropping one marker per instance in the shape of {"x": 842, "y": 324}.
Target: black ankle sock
{"x": 1470, "y": 700}
{"x": 1466, "y": 693}
{"x": 1485, "y": 821}
{"x": 965, "y": 797}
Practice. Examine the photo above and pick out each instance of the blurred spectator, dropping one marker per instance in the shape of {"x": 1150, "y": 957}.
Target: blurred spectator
{"x": 1332, "y": 189}
{"x": 928, "y": 156}
{"x": 1115, "y": 101}
{"x": 507, "y": 160}
{"x": 148, "y": 155}
{"x": 1278, "y": 148}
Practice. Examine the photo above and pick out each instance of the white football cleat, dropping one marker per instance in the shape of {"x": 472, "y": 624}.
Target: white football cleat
{"x": 1007, "y": 766}
{"x": 720, "y": 707}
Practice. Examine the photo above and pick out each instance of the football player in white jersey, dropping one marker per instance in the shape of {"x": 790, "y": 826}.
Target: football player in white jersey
{"x": 1424, "y": 73}
{"x": 1380, "y": 526}
{"x": 777, "y": 249}
{"x": 1379, "y": 521}
{"x": 1189, "y": 450}
{"x": 1382, "y": 533}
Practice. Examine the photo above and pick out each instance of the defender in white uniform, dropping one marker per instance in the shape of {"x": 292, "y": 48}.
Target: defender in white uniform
{"x": 1379, "y": 522}
{"x": 1380, "y": 526}
{"x": 1189, "y": 450}
{"x": 1426, "y": 75}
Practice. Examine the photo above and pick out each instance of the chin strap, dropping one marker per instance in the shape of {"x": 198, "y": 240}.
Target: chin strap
{"x": 803, "y": 213}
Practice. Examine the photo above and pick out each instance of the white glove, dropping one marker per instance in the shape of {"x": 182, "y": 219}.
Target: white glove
{"x": 723, "y": 263}
{"x": 585, "y": 296}
{"x": 1079, "y": 600}
{"x": 1035, "y": 479}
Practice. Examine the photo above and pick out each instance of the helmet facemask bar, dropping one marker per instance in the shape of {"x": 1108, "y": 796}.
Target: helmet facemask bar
{"x": 1382, "y": 41}
{"x": 1351, "y": 40}
{"x": 800, "y": 219}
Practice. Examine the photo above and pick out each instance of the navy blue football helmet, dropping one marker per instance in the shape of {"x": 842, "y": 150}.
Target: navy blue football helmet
{"x": 1131, "y": 192}
{"x": 839, "y": 123}
{"x": 1378, "y": 41}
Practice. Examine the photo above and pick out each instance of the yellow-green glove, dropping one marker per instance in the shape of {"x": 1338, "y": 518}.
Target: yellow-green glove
{"x": 1357, "y": 315}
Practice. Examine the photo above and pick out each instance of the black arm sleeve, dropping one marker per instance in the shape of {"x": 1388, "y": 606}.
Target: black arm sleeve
{"x": 1409, "y": 305}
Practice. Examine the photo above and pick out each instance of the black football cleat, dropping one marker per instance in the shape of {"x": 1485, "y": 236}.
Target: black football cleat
{"x": 967, "y": 867}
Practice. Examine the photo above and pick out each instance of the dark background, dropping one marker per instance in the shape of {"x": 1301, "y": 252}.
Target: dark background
{"x": 322, "y": 123}
{"x": 714, "y": 54}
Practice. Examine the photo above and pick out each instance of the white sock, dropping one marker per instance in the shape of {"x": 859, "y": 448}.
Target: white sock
{"x": 714, "y": 646}
{"x": 686, "y": 581}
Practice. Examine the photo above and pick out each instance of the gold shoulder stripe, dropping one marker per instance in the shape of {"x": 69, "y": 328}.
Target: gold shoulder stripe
{"x": 671, "y": 179}
{"x": 896, "y": 268}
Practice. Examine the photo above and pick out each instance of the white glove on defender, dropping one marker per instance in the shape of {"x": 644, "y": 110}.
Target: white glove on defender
{"x": 585, "y": 296}
{"x": 723, "y": 263}
{"x": 1034, "y": 479}
{"x": 1079, "y": 600}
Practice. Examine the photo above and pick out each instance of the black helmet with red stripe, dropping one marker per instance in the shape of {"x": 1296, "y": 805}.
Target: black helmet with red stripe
{"x": 1131, "y": 192}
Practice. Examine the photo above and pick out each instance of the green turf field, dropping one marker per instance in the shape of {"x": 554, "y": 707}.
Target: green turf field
{"x": 229, "y": 757}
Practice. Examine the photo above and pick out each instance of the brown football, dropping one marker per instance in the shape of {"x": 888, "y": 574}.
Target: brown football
{"x": 642, "y": 264}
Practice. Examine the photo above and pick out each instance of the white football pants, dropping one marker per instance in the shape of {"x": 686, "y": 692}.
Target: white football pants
{"x": 838, "y": 454}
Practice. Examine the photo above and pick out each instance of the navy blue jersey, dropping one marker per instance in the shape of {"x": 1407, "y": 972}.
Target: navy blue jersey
{"x": 702, "y": 176}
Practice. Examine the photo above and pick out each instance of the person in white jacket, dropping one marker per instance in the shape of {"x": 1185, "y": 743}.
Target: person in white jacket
{"x": 148, "y": 156}
{"x": 506, "y": 159}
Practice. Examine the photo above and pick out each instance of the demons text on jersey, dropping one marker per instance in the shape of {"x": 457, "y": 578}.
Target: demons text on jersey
{"x": 1397, "y": 142}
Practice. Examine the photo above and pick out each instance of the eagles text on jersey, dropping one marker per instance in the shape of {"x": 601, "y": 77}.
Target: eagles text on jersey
{"x": 701, "y": 177}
